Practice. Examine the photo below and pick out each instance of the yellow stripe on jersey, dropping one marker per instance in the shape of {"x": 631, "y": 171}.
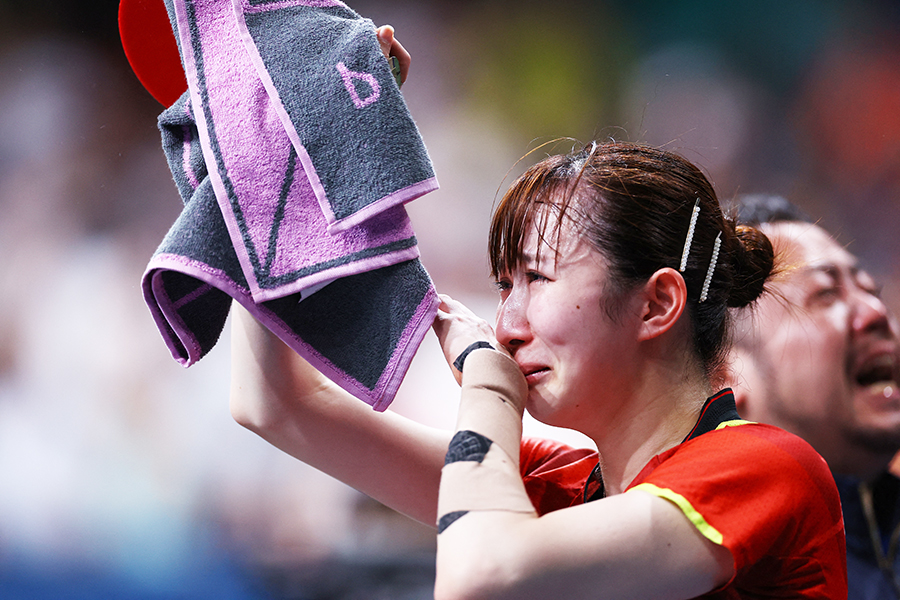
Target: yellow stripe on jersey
{"x": 734, "y": 423}
{"x": 708, "y": 531}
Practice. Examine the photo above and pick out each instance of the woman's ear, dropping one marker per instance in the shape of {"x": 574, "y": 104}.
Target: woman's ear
{"x": 665, "y": 296}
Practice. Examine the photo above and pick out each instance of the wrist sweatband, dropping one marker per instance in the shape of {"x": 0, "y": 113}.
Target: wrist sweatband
{"x": 478, "y": 475}
{"x": 458, "y": 363}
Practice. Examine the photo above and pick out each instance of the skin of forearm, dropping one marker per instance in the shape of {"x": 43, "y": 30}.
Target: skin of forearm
{"x": 489, "y": 491}
{"x": 284, "y": 400}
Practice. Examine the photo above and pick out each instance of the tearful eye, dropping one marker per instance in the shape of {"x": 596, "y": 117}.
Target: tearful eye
{"x": 868, "y": 284}
{"x": 873, "y": 289}
{"x": 826, "y": 295}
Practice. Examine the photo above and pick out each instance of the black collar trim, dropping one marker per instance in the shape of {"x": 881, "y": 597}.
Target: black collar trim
{"x": 716, "y": 410}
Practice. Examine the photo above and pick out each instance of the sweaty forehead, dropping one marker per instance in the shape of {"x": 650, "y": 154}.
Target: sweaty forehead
{"x": 805, "y": 245}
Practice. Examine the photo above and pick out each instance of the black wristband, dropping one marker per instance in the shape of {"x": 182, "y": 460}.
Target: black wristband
{"x": 458, "y": 363}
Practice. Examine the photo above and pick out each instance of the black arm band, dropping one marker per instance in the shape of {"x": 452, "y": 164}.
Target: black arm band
{"x": 447, "y": 520}
{"x": 467, "y": 445}
{"x": 458, "y": 363}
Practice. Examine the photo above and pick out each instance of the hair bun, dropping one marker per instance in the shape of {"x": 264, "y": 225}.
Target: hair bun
{"x": 753, "y": 264}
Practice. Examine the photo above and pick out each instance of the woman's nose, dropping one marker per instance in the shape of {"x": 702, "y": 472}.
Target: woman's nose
{"x": 512, "y": 323}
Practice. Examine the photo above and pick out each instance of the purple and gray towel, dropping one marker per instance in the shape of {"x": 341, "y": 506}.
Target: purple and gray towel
{"x": 294, "y": 153}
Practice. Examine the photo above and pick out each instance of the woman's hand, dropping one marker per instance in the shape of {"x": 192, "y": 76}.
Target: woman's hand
{"x": 457, "y": 327}
{"x": 391, "y": 47}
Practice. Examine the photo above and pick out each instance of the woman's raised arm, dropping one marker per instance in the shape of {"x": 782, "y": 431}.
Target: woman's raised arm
{"x": 282, "y": 398}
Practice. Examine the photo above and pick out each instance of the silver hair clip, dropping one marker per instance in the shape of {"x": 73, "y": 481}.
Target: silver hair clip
{"x": 690, "y": 236}
{"x": 712, "y": 267}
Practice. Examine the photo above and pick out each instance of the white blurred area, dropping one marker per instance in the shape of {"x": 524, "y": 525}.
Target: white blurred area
{"x": 117, "y": 462}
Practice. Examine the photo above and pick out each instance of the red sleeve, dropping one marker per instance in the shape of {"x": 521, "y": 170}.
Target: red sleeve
{"x": 764, "y": 494}
{"x": 554, "y": 473}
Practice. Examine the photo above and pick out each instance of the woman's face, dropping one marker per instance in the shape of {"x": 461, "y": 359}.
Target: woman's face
{"x": 551, "y": 318}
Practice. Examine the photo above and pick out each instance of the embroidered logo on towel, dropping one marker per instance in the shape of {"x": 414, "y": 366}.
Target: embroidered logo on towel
{"x": 348, "y": 76}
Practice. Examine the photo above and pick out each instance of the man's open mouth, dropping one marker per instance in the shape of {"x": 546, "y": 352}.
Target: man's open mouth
{"x": 878, "y": 372}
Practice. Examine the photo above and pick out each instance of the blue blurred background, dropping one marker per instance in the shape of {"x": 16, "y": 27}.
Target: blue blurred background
{"x": 122, "y": 474}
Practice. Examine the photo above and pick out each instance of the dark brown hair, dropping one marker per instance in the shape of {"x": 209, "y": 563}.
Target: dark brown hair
{"x": 633, "y": 203}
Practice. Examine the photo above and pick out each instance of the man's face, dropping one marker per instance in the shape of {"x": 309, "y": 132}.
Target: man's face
{"x": 820, "y": 355}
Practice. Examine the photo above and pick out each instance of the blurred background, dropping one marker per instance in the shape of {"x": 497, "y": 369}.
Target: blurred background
{"x": 122, "y": 474}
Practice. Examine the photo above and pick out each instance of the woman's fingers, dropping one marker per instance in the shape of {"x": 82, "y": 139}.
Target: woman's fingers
{"x": 457, "y": 327}
{"x": 391, "y": 47}
{"x": 385, "y": 35}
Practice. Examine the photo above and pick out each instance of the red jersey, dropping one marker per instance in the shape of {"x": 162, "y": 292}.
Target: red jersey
{"x": 760, "y": 491}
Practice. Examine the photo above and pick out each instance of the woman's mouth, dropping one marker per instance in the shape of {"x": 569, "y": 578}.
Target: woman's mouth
{"x": 533, "y": 375}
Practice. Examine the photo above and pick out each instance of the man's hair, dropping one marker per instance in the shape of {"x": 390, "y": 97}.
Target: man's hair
{"x": 758, "y": 209}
